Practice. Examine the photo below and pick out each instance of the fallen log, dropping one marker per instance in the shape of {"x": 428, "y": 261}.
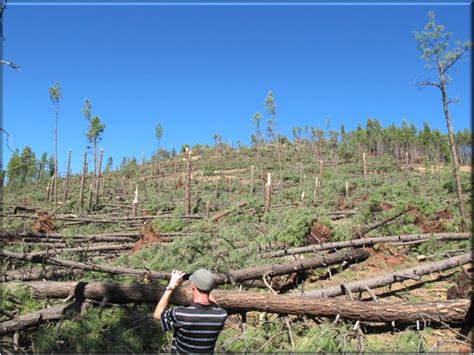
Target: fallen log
{"x": 365, "y": 242}
{"x": 101, "y": 248}
{"x": 387, "y": 279}
{"x": 224, "y": 213}
{"x": 232, "y": 277}
{"x": 451, "y": 312}
{"x": 361, "y": 231}
{"x": 43, "y": 259}
{"x": 32, "y": 237}
{"x": 34, "y": 318}
{"x": 33, "y": 275}
{"x": 290, "y": 267}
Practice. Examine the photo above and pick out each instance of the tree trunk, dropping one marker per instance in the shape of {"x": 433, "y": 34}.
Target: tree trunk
{"x": 397, "y": 276}
{"x": 365, "y": 242}
{"x": 34, "y": 318}
{"x": 268, "y": 193}
{"x": 452, "y": 312}
{"x": 231, "y": 277}
{"x": 83, "y": 181}
{"x": 56, "y": 154}
{"x": 452, "y": 147}
{"x": 187, "y": 188}
{"x": 224, "y": 213}
{"x": 97, "y": 185}
{"x": 66, "y": 182}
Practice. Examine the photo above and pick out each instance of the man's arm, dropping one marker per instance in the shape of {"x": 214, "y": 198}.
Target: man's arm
{"x": 176, "y": 279}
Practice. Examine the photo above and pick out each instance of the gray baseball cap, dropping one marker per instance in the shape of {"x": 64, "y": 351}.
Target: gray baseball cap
{"x": 203, "y": 279}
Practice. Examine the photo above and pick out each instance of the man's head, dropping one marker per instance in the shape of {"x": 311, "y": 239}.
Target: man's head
{"x": 203, "y": 280}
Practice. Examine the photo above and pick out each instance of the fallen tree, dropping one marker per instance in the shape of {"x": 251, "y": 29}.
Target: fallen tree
{"x": 44, "y": 315}
{"x": 451, "y": 312}
{"x": 365, "y": 242}
{"x": 290, "y": 267}
{"x": 227, "y": 212}
{"x": 231, "y": 277}
{"x": 87, "y": 249}
{"x": 387, "y": 279}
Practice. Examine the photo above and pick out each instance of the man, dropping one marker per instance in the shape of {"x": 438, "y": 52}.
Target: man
{"x": 196, "y": 327}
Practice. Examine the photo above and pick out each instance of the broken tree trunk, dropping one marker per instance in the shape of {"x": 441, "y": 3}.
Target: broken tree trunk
{"x": 366, "y": 229}
{"x": 187, "y": 187}
{"x": 452, "y": 312}
{"x": 287, "y": 268}
{"x": 34, "y": 318}
{"x": 83, "y": 180}
{"x": 224, "y": 213}
{"x": 34, "y": 274}
{"x": 365, "y": 242}
{"x": 41, "y": 237}
{"x": 231, "y": 277}
{"x": 252, "y": 180}
{"x": 387, "y": 279}
{"x": 109, "y": 247}
{"x": 268, "y": 193}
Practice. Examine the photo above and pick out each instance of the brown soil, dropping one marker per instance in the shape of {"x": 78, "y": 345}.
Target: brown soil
{"x": 319, "y": 233}
{"x": 149, "y": 236}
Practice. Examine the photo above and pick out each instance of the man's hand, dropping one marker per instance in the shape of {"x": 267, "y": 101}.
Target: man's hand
{"x": 176, "y": 278}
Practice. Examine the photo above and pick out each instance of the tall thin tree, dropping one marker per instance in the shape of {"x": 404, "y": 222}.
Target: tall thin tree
{"x": 433, "y": 43}
{"x": 55, "y": 94}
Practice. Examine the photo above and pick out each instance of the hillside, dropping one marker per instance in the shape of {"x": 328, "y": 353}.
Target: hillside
{"x": 213, "y": 207}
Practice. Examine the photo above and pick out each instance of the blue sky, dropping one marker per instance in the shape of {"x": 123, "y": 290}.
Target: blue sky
{"x": 200, "y": 70}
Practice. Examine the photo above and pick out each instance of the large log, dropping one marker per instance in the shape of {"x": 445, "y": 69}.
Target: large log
{"x": 87, "y": 249}
{"x": 453, "y": 311}
{"x": 235, "y": 276}
{"x": 227, "y": 212}
{"x": 41, "y": 237}
{"x": 365, "y": 242}
{"x": 34, "y": 318}
{"x": 387, "y": 279}
{"x": 290, "y": 267}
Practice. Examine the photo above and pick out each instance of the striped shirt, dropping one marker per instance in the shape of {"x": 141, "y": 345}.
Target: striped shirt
{"x": 196, "y": 327}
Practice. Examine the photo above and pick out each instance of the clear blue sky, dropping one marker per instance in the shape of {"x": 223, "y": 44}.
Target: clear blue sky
{"x": 200, "y": 70}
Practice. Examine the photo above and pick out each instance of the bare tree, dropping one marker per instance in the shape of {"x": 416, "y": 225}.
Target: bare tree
{"x": 433, "y": 43}
{"x": 55, "y": 95}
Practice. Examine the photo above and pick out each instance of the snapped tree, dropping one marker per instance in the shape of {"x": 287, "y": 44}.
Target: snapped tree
{"x": 433, "y": 43}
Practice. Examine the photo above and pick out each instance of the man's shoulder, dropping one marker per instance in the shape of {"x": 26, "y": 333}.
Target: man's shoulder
{"x": 196, "y": 308}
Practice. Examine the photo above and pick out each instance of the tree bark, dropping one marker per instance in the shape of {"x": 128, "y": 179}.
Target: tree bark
{"x": 387, "y": 279}
{"x": 83, "y": 180}
{"x": 187, "y": 191}
{"x": 453, "y": 311}
{"x": 290, "y": 267}
{"x": 66, "y": 182}
{"x": 231, "y": 277}
{"x": 452, "y": 147}
{"x": 224, "y": 213}
{"x": 34, "y": 318}
{"x": 365, "y": 242}
{"x": 97, "y": 184}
